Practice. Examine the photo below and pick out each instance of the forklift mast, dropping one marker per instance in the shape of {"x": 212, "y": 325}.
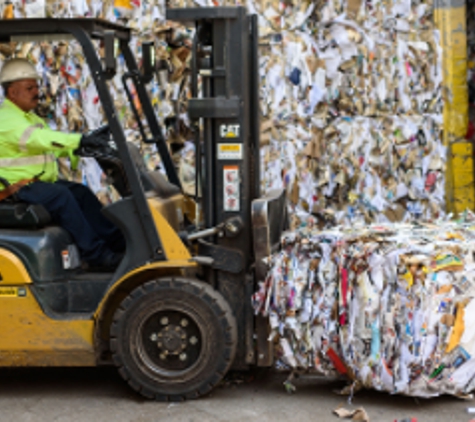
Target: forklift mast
{"x": 225, "y": 57}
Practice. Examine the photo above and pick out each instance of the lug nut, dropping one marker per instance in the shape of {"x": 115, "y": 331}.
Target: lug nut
{"x": 154, "y": 337}
{"x": 184, "y": 322}
{"x": 183, "y": 356}
{"x": 164, "y": 320}
{"x": 163, "y": 356}
{"x": 193, "y": 340}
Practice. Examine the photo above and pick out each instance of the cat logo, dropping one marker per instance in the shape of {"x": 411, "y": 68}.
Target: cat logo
{"x": 229, "y": 131}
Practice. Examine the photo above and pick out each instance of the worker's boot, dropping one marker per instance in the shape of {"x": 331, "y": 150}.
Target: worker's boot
{"x": 107, "y": 262}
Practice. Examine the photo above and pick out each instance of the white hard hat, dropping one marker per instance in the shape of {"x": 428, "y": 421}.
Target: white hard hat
{"x": 17, "y": 69}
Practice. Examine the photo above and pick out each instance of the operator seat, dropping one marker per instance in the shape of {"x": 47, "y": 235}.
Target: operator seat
{"x": 15, "y": 214}
{"x": 19, "y": 215}
{"x": 27, "y": 230}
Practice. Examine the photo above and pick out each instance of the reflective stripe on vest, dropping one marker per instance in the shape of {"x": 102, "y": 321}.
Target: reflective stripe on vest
{"x": 26, "y": 135}
{"x": 28, "y": 161}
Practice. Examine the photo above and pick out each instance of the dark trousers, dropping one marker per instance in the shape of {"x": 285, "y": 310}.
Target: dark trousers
{"x": 75, "y": 208}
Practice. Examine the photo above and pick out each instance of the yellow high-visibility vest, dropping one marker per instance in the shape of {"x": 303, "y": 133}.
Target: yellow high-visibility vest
{"x": 29, "y": 148}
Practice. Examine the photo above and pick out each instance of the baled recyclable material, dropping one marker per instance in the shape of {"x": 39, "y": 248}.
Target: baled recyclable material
{"x": 363, "y": 169}
{"x": 354, "y": 77}
{"x": 389, "y": 306}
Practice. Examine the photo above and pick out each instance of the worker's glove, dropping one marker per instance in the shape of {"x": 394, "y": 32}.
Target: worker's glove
{"x": 94, "y": 140}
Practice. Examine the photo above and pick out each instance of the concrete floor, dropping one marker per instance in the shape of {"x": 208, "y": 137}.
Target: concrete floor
{"x": 101, "y": 395}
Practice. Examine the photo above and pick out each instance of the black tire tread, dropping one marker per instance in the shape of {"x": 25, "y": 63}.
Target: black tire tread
{"x": 216, "y": 302}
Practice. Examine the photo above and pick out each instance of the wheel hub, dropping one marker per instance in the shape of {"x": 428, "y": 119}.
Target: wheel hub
{"x": 172, "y": 339}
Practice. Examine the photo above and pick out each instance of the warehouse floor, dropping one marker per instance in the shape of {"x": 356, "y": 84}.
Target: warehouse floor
{"x": 100, "y": 395}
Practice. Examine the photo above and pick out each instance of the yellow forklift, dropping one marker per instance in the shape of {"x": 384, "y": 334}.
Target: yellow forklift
{"x": 176, "y": 314}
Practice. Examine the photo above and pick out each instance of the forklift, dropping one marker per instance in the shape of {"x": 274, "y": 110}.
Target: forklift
{"x": 176, "y": 314}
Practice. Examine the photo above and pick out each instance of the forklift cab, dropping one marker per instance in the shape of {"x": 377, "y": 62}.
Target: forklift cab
{"x": 176, "y": 314}
{"x": 122, "y": 162}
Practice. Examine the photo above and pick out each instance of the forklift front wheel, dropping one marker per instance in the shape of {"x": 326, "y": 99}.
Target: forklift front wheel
{"x": 173, "y": 339}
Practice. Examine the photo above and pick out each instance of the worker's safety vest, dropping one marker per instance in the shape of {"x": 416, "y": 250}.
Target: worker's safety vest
{"x": 28, "y": 148}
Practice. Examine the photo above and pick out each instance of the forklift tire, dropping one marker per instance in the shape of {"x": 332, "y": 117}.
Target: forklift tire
{"x": 173, "y": 339}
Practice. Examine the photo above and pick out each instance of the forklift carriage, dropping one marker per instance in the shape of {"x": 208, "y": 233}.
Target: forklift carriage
{"x": 176, "y": 314}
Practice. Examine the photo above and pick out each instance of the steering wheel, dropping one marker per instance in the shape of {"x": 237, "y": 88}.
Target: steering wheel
{"x": 108, "y": 159}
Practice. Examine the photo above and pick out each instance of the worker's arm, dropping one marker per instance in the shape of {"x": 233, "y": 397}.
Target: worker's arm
{"x": 43, "y": 140}
{"x": 38, "y": 140}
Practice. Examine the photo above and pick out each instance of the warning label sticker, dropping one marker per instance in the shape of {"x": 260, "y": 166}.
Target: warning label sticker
{"x": 12, "y": 292}
{"x": 231, "y": 188}
{"x": 229, "y": 151}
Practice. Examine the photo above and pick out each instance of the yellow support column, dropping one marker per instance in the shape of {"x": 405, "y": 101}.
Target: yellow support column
{"x": 450, "y": 17}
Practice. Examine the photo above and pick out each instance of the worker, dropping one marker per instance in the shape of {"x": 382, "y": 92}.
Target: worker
{"x": 28, "y": 153}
